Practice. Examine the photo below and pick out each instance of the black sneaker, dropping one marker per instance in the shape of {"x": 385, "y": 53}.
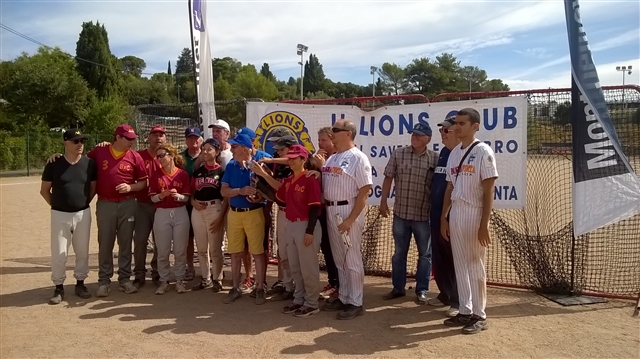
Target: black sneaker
{"x": 234, "y": 294}
{"x": 155, "y": 277}
{"x": 284, "y": 295}
{"x": 459, "y": 320}
{"x": 475, "y": 325}
{"x": 204, "y": 284}
{"x": 261, "y": 297}
{"x": 393, "y": 295}
{"x": 277, "y": 287}
{"x": 351, "y": 311}
{"x": 334, "y": 306}
{"x": 256, "y": 288}
{"x": 138, "y": 283}
{"x": 216, "y": 286}
{"x": 291, "y": 308}
{"x": 305, "y": 311}
{"x": 58, "y": 296}
{"x": 82, "y": 291}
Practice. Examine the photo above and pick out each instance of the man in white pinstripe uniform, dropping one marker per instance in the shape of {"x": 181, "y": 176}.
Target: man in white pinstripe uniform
{"x": 346, "y": 181}
{"x": 471, "y": 174}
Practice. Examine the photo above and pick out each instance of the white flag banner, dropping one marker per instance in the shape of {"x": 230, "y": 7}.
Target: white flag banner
{"x": 380, "y": 132}
{"x": 202, "y": 62}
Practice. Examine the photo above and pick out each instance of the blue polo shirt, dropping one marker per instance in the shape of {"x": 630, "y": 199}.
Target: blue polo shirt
{"x": 439, "y": 186}
{"x": 237, "y": 176}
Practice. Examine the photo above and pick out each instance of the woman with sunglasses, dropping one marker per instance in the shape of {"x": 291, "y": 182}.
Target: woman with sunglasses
{"x": 208, "y": 216}
{"x": 170, "y": 189}
{"x": 302, "y": 196}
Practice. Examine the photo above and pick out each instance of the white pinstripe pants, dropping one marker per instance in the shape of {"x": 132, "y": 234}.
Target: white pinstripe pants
{"x": 468, "y": 258}
{"x": 348, "y": 261}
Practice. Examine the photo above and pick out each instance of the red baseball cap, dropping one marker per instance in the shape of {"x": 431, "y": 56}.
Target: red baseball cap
{"x": 296, "y": 151}
{"x": 126, "y": 131}
{"x": 158, "y": 128}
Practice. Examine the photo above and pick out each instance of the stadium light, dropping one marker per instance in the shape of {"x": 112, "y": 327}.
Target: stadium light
{"x": 301, "y": 50}
{"x": 625, "y": 70}
{"x": 373, "y": 84}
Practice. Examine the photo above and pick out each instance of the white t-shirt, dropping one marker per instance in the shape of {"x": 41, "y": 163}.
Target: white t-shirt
{"x": 344, "y": 174}
{"x": 479, "y": 165}
{"x": 224, "y": 158}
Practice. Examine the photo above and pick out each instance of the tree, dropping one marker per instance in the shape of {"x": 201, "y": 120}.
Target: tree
{"x": 447, "y": 76}
{"x": 226, "y": 68}
{"x": 562, "y": 114}
{"x": 223, "y": 90}
{"x": 264, "y": 71}
{"x": 393, "y": 77}
{"x": 495, "y": 85}
{"x": 44, "y": 90}
{"x": 313, "y": 75}
{"x": 95, "y": 62}
{"x": 250, "y": 84}
{"x": 474, "y": 79}
{"x": 420, "y": 75}
{"x": 103, "y": 116}
{"x": 292, "y": 81}
{"x": 184, "y": 77}
{"x": 133, "y": 65}
{"x": 169, "y": 68}
{"x": 184, "y": 65}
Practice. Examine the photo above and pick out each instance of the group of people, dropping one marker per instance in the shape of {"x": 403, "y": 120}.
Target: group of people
{"x": 225, "y": 184}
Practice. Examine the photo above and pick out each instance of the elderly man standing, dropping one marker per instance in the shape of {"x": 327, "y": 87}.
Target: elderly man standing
{"x": 411, "y": 168}
{"x": 346, "y": 181}
{"x": 220, "y": 130}
{"x": 193, "y": 140}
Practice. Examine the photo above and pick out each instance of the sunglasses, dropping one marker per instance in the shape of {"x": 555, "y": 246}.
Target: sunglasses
{"x": 82, "y": 140}
{"x": 161, "y": 155}
{"x": 445, "y": 130}
{"x": 336, "y": 130}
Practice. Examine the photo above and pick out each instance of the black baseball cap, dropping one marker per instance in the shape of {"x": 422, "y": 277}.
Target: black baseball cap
{"x": 73, "y": 134}
{"x": 212, "y": 142}
{"x": 278, "y": 133}
{"x": 285, "y": 141}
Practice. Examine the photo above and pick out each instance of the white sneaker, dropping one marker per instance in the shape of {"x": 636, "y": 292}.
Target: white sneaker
{"x": 180, "y": 288}
{"x": 435, "y": 302}
{"x": 103, "y": 290}
{"x": 128, "y": 288}
{"x": 452, "y": 312}
{"x": 163, "y": 288}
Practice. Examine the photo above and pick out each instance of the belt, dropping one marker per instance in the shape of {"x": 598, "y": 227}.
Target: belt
{"x": 282, "y": 208}
{"x": 336, "y": 203}
{"x": 298, "y": 219}
{"x": 116, "y": 199}
{"x": 213, "y": 201}
{"x": 236, "y": 209}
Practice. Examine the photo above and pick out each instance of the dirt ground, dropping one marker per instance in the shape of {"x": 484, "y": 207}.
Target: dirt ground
{"x": 198, "y": 324}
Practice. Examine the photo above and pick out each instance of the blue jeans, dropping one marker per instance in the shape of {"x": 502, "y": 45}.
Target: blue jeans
{"x": 402, "y": 230}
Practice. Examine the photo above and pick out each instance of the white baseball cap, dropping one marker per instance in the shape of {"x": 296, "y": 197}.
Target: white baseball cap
{"x": 221, "y": 124}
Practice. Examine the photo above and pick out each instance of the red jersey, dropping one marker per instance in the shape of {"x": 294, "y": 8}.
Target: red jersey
{"x": 298, "y": 193}
{"x": 152, "y": 165}
{"x": 127, "y": 168}
{"x": 162, "y": 181}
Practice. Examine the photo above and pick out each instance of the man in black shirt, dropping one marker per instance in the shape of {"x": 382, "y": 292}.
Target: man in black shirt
{"x": 68, "y": 186}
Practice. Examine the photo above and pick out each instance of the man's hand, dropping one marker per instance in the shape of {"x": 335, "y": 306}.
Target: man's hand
{"x": 345, "y": 226}
{"x": 197, "y": 205}
{"x": 217, "y": 224}
{"x": 265, "y": 160}
{"x": 257, "y": 169}
{"x": 308, "y": 239}
{"x": 257, "y": 198}
{"x": 444, "y": 228}
{"x": 247, "y": 191}
{"x": 384, "y": 209}
{"x": 123, "y": 188}
{"x": 483, "y": 236}
{"x": 54, "y": 157}
{"x": 315, "y": 174}
{"x": 103, "y": 144}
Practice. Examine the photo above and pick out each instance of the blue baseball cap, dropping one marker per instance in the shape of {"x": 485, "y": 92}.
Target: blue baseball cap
{"x": 247, "y": 131}
{"x": 422, "y": 128}
{"x": 242, "y": 140}
{"x": 192, "y": 131}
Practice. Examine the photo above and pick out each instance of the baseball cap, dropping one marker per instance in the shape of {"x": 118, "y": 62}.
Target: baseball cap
{"x": 126, "y": 131}
{"x": 221, "y": 124}
{"x": 450, "y": 121}
{"x": 157, "y": 128}
{"x": 422, "y": 128}
{"x": 247, "y": 131}
{"x": 192, "y": 131}
{"x": 73, "y": 134}
{"x": 242, "y": 140}
{"x": 296, "y": 151}
{"x": 212, "y": 142}
{"x": 278, "y": 133}
{"x": 285, "y": 141}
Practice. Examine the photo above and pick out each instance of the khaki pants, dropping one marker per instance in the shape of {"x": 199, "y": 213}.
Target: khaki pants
{"x": 303, "y": 261}
{"x": 207, "y": 242}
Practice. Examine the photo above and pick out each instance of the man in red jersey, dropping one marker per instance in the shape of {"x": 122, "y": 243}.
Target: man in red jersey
{"x": 145, "y": 212}
{"x": 121, "y": 172}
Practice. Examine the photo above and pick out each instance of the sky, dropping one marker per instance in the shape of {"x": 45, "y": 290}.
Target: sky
{"x": 524, "y": 43}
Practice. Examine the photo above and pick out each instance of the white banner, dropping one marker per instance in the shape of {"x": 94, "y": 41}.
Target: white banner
{"x": 380, "y": 132}
{"x": 202, "y": 62}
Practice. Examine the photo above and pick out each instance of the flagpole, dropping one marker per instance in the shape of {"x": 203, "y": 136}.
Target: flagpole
{"x": 193, "y": 54}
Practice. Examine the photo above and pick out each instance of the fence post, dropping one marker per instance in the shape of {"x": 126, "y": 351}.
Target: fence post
{"x": 28, "y": 164}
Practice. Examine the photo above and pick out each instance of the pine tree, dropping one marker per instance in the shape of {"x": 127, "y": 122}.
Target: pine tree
{"x": 95, "y": 61}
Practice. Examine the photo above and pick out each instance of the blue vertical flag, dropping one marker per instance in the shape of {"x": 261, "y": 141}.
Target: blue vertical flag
{"x": 605, "y": 187}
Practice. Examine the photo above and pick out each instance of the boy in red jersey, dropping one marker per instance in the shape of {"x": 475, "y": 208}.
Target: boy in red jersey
{"x": 121, "y": 173}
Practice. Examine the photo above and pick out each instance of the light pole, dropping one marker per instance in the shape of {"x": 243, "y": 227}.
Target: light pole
{"x": 470, "y": 73}
{"x": 301, "y": 50}
{"x": 373, "y": 84}
{"x": 625, "y": 70}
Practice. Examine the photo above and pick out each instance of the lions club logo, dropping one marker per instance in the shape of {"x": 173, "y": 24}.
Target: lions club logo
{"x": 288, "y": 120}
